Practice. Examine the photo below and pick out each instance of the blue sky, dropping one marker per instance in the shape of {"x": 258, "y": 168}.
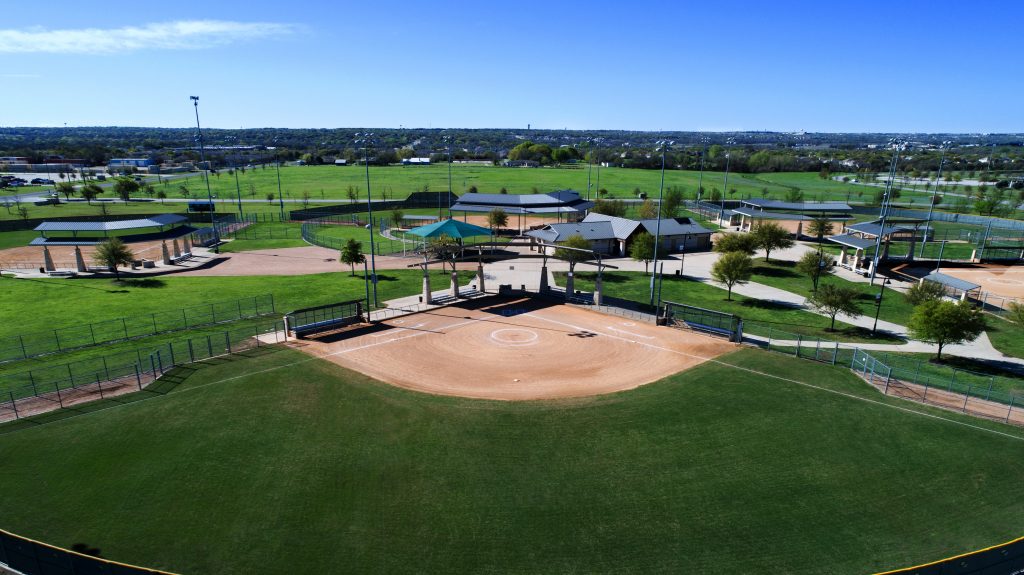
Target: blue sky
{"x": 943, "y": 66}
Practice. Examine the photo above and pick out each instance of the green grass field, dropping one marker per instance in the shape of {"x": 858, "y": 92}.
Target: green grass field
{"x": 279, "y": 463}
{"x": 760, "y": 317}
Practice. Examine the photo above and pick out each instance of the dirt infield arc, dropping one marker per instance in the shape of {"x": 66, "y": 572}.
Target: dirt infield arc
{"x": 517, "y": 349}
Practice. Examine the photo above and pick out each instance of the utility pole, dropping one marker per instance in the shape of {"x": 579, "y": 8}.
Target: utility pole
{"x": 657, "y": 227}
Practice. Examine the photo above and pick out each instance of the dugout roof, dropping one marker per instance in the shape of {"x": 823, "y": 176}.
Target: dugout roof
{"x": 157, "y": 221}
{"x": 951, "y": 282}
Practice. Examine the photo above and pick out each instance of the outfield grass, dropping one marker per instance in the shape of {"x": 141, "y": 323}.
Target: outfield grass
{"x": 1005, "y": 336}
{"x": 760, "y": 317}
{"x": 243, "y": 468}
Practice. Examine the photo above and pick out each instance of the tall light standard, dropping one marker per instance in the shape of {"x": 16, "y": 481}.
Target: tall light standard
{"x": 725, "y": 185}
{"x": 898, "y": 146}
{"x": 700, "y": 178}
{"x": 931, "y": 206}
{"x": 657, "y": 227}
{"x": 448, "y": 147}
{"x": 206, "y": 172}
{"x": 369, "y": 209}
{"x": 590, "y": 167}
{"x": 280, "y": 194}
{"x": 238, "y": 190}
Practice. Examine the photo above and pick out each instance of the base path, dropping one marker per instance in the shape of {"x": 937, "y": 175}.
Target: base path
{"x": 517, "y": 349}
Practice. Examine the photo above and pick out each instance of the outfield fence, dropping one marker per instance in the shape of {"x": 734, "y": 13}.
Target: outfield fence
{"x": 317, "y": 232}
{"x": 59, "y": 340}
{"x": 265, "y": 233}
{"x": 32, "y": 557}
{"x": 60, "y": 386}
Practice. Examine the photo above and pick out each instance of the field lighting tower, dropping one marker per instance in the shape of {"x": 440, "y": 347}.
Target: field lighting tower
{"x": 206, "y": 171}
{"x": 897, "y": 146}
{"x": 657, "y": 227}
{"x": 366, "y": 143}
{"x": 931, "y": 206}
{"x": 700, "y": 179}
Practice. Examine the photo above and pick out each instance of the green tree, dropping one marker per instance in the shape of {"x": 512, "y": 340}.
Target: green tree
{"x": 124, "y": 187}
{"x": 66, "y": 188}
{"x": 161, "y": 195}
{"x": 943, "y": 322}
{"x": 113, "y": 253}
{"x": 185, "y": 192}
{"x": 815, "y": 265}
{"x": 770, "y": 236}
{"x": 732, "y": 268}
{"x": 820, "y": 227}
{"x": 832, "y": 300}
{"x": 735, "y": 242}
{"x": 497, "y": 219}
{"x": 397, "y": 215}
{"x": 471, "y": 190}
{"x": 573, "y": 256}
{"x": 270, "y": 197}
{"x": 794, "y": 195}
{"x": 922, "y": 292}
{"x": 22, "y": 212}
{"x": 444, "y": 248}
{"x": 352, "y": 254}
{"x": 642, "y": 249}
{"x": 352, "y": 193}
{"x": 615, "y": 208}
{"x": 647, "y": 210}
{"x": 672, "y": 202}
{"x": 1015, "y": 313}
{"x": 90, "y": 191}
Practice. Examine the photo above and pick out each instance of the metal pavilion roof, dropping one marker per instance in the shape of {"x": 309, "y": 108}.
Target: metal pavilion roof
{"x": 451, "y": 228}
{"x": 950, "y": 281}
{"x": 152, "y": 222}
{"x": 852, "y": 241}
{"x": 798, "y": 206}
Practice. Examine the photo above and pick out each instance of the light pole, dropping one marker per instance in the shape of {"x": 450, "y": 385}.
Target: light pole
{"x": 938, "y": 178}
{"x": 369, "y": 209}
{"x": 238, "y": 190}
{"x": 280, "y": 194}
{"x": 657, "y": 227}
{"x": 897, "y": 146}
{"x": 448, "y": 147}
{"x": 206, "y": 172}
{"x": 728, "y": 158}
{"x": 878, "y": 307}
{"x": 700, "y": 178}
{"x": 590, "y": 167}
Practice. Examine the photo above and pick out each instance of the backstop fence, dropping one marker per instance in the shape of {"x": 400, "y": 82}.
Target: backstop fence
{"x": 335, "y": 231}
{"x": 59, "y": 340}
{"x": 55, "y": 387}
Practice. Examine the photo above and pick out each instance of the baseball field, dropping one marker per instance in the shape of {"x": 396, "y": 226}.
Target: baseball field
{"x": 279, "y": 461}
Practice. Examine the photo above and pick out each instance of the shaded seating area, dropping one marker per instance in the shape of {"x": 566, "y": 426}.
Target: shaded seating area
{"x": 955, "y": 287}
{"x": 83, "y": 233}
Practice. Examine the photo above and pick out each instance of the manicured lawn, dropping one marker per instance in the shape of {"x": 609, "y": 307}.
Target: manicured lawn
{"x": 17, "y": 239}
{"x": 783, "y": 275}
{"x": 264, "y": 236}
{"x": 760, "y": 317}
{"x": 310, "y": 468}
{"x": 1005, "y": 336}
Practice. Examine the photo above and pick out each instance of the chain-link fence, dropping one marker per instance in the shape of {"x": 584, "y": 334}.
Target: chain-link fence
{"x": 59, "y": 340}
{"x": 55, "y": 387}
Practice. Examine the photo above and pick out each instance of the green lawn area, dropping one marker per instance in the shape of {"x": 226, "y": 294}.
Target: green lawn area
{"x": 783, "y": 275}
{"x": 277, "y": 463}
{"x": 264, "y": 236}
{"x": 17, "y": 239}
{"x": 1005, "y": 336}
{"x": 760, "y": 317}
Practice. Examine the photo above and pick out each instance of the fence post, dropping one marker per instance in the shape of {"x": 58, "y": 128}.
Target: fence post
{"x": 835, "y": 354}
{"x": 153, "y": 317}
{"x": 952, "y": 378}
{"x": 191, "y": 354}
{"x": 152, "y": 365}
{"x": 56, "y": 338}
{"x": 1010, "y": 410}
{"x": 21, "y": 340}
{"x": 967, "y": 396}
{"x": 888, "y": 376}
{"x": 70, "y": 375}
{"x": 988, "y": 393}
{"x": 239, "y": 302}
{"x": 209, "y": 346}
{"x": 106, "y": 370}
{"x": 14, "y": 404}
{"x": 92, "y": 333}
{"x": 799, "y": 338}
{"x": 160, "y": 361}
{"x": 227, "y": 341}
{"x": 817, "y": 350}
{"x": 99, "y": 385}
{"x": 138, "y": 378}
{"x": 170, "y": 350}
{"x": 124, "y": 325}
{"x": 60, "y": 399}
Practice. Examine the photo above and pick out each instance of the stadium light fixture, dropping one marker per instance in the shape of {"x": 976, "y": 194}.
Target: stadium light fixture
{"x": 931, "y": 206}
{"x": 898, "y": 145}
{"x": 206, "y": 172}
{"x": 657, "y": 227}
{"x": 367, "y": 142}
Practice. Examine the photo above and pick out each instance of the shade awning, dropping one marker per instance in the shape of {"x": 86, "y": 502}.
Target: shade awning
{"x": 950, "y": 281}
{"x": 72, "y": 226}
{"x": 451, "y": 228}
